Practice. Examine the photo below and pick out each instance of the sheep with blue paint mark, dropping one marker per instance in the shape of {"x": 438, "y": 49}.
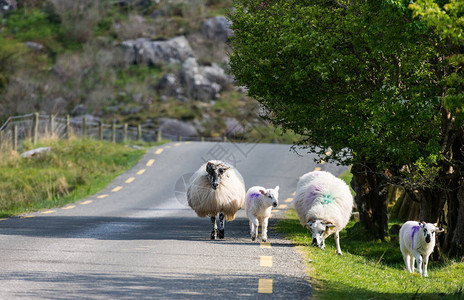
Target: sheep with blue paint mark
{"x": 417, "y": 240}
{"x": 324, "y": 204}
{"x": 258, "y": 205}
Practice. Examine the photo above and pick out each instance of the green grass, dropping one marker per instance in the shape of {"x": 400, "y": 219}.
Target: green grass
{"x": 71, "y": 171}
{"x": 369, "y": 269}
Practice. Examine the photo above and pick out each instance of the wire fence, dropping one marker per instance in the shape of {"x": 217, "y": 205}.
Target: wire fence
{"x": 31, "y": 127}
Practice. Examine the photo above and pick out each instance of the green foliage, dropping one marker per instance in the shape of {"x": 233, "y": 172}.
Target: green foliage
{"x": 369, "y": 269}
{"x": 33, "y": 26}
{"x": 70, "y": 171}
{"x": 355, "y": 78}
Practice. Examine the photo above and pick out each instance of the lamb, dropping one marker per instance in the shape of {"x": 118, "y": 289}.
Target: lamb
{"x": 323, "y": 203}
{"x": 417, "y": 240}
{"x": 216, "y": 188}
{"x": 258, "y": 205}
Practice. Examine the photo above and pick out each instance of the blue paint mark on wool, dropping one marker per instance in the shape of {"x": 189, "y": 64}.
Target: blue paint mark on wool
{"x": 254, "y": 195}
{"x": 414, "y": 230}
{"x": 328, "y": 199}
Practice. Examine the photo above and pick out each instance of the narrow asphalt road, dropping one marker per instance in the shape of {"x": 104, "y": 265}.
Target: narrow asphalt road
{"x": 137, "y": 239}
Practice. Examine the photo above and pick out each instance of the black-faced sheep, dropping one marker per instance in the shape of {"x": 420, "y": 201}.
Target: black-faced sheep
{"x": 324, "y": 204}
{"x": 258, "y": 205}
{"x": 417, "y": 240}
{"x": 216, "y": 188}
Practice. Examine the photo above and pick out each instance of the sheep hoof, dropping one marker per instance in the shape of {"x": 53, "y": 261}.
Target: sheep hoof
{"x": 264, "y": 240}
{"x": 213, "y": 234}
{"x": 221, "y": 234}
{"x": 253, "y": 238}
{"x": 339, "y": 253}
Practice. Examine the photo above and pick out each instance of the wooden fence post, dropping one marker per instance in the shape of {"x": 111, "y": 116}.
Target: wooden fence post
{"x": 84, "y": 127}
{"x": 125, "y": 132}
{"x": 100, "y": 130}
{"x": 158, "y": 135}
{"x": 202, "y": 139}
{"x": 139, "y": 132}
{"x": 15, "y": 137}
{"x": 179, "y": 138}
{"x": 68, "y": 126}
{"x": 52, "y": 126}
{"x": 113, "y": 132}
{"x": 35, "y": 128}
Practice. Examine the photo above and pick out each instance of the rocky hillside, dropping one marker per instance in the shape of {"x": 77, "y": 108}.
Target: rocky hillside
{"x": 157, "y": 63}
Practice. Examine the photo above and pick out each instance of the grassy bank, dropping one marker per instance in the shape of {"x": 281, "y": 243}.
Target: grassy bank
{"x": 369, "y": 269}
{"x": 71, "y": 171}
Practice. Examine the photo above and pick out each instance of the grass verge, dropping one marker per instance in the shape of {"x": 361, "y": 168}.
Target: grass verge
{"x": 369, "y": 269}
{"x": 72, "y": 170}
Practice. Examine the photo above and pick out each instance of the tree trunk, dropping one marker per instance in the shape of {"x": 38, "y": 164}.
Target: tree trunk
{"x": 454, "y": 239}
{"x": 371, "y": 199}
{"x": 431, "y": 202}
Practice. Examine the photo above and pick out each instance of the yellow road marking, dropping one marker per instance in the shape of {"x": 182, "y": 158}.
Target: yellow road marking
{"x": 68, "y": 207}
{"x": 48, "y": 212}
{"x": 264, "y": 245}
{"x": 265, "y": 261}
{"x": 177, "y": 144}
{"x": 265, "y": 286}
{"x": 27, "y": 217}
{"x": 187, "y": 142}
{"x": 288, "y": 200}
{"x": 3, "y": 219}
{"x": 282, "y": 206}
{"x": 141, "y": 172}
{"x": 167, "y": 147}
{"x": 130, "y": 179}
{"x": 159, "y": 151}
{"x": 150, "y": 162}
{"x": 328, "y": 152}
{"x": 88, "y": 201}
{"x": 322, "y": 162}
{"x": 102, "y": 196}
{"x": 293, "y": 193}
{"x": 317, "y": 169}
{"x": 117, "y": 189}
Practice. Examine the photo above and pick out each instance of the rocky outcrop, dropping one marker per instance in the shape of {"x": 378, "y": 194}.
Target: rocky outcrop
{"x": 145, "y": 51}
{"x": 217, "y": 28}
{"x": 7, "y": 5}
{"x": 202, "y": 82}
{"x": 176, "y": 127}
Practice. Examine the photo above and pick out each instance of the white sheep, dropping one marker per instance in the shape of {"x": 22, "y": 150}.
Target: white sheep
{"x": 258, "y": 205}
{"x": 417, "y": 240}
{"x": 216, "y": 188}
{"x": 323, "y": 203}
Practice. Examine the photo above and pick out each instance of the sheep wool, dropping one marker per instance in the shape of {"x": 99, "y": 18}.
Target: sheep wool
{"x": 322, "y": 196}
{"x": 228, "y": 198}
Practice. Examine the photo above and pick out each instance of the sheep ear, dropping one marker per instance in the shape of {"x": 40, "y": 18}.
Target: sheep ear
{"x": 329, "y": 225}
{"x": 208, "y": 166}
{"x": 437, "y": 230}
{"x": 262, "y": 192}
{"x": 276, "y": 188}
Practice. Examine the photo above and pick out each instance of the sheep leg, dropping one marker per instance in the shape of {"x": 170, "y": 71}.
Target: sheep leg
{"x": 337, "y": 242}
{"x": 419, "y": 260}
{"x": 214, "y": 231}
{"x": 407, "y": 262}
{"x": 412, "y": 261}
{"x": 222, "y": 223}
{"x": 424, "y": 270}
{"x": 264, "y": 223}
{"x": 254, "y": 223}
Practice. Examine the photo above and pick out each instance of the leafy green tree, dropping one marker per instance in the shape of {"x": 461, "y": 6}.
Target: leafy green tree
{"x": 357, "y": 77}
{"x": 445, "y": 18}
